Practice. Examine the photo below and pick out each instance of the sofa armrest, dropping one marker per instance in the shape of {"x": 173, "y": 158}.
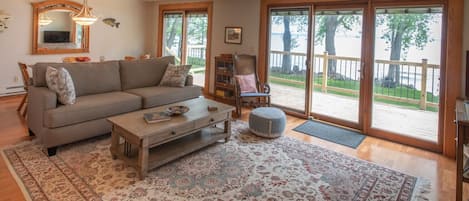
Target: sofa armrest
{"x": 189, "y": 80}
{"x": 40, "y": 99}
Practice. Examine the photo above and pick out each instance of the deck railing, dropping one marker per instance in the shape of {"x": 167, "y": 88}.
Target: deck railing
{"x": 196, "y": 55}
{"x": 417, "y": 82}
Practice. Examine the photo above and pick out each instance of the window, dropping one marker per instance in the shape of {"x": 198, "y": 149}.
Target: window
{"x": 185, "y": 34}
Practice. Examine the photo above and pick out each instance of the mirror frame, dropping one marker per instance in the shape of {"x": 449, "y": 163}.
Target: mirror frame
{"x": 49, "y": 5}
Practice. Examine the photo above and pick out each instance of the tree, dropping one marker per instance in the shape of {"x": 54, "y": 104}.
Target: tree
{"x": 289, "y": 42}
{"x": 197, "y": 29}
{"x": 326, "y": 28}
{"x": 402, "y": 31}
{"x": 173, "y": 28}
{"x": 196, "y": 32}
{"x": 287, "y": 45}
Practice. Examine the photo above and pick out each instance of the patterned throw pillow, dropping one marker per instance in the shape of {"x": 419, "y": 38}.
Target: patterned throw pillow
{"x": 60, "y": 81}
{"x": 175, "y": 76}
{"x": 247, "y": 83}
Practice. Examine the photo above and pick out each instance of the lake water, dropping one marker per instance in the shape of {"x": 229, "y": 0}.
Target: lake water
{"x": 350, "y": 46}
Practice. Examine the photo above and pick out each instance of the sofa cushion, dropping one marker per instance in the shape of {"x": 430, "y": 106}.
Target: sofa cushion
{"x": 143, "y": 73}
{"x": 157, "y": 96}
{"x": 92, "y": 107}
{"x": 88, "y": 78}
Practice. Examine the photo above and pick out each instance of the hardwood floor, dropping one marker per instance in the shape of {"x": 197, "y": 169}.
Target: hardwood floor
{"x": 438, "y": 169}
{"x": 13, "y": 129}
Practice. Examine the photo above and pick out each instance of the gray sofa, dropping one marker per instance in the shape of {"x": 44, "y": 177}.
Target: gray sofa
{"x": 103, "y": 89}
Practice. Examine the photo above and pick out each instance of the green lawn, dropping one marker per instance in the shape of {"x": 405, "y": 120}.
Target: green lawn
{"x": 194, "y": 61}
{"x": 400, "y": 91}
{"x": 198, "y": 65}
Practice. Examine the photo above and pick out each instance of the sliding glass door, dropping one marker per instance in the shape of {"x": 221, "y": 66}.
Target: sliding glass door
{"x": 375, "y": 68}
{"x": 288, "y": 55}
{"x": 406, "y": 73}
{"x": 196, "y": 45}
{"x": 332, "y": 90}
{"x": 337, "y": 65}
{"x": 185, "y": 36}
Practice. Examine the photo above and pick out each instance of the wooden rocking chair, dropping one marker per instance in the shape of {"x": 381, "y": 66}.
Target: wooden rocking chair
{"x": 245, "y": 68}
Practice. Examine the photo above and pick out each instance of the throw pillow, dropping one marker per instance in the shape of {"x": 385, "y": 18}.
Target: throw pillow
{"x": 51, "y": 78}
{"x": 60, "y": 81}
{"x": 175, "y": 76}
{"x": 247, "y": 83}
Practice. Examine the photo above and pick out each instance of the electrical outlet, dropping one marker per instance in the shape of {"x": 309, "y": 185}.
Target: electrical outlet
{"x": 16, "y": 79}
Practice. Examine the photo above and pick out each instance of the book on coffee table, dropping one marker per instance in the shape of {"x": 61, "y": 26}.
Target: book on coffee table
{"x": 155, "y": 117}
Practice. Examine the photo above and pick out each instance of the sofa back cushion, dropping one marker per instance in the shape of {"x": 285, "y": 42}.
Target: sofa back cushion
{"x": 88, "y": 78}
{"x": 143, "y": 73}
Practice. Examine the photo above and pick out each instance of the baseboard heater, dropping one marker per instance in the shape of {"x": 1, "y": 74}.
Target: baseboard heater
{"x": 14, "y": 87}
{"x": 13, "y": 92}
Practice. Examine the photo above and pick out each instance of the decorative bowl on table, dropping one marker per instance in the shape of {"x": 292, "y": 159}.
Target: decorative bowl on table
{"x": 178, "y": 110}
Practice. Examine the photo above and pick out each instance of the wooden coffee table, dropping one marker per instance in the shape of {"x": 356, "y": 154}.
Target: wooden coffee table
{"x": 147, "y": 146}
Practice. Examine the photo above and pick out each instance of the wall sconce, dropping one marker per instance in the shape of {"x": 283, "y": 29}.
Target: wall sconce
{"x": 3, "y": 18}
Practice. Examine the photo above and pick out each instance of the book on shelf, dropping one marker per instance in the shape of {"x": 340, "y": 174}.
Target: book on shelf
{"x": 155, "y": 117}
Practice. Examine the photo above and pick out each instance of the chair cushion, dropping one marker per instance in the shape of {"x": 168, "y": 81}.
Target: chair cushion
{"x": 157, "y": 96}
{"x": 254, "y": 95}
{"x": 143, "y": 73}
{"x": 92, "y": 107}
{"x": 247, "y": 83}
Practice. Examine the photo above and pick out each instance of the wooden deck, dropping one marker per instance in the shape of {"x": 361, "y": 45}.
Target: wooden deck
{"x": 411, "y": 122}
{"x": 199, "y": 79}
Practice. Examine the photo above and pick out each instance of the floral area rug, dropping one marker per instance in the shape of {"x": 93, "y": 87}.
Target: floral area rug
{"x": 245, "y": 168}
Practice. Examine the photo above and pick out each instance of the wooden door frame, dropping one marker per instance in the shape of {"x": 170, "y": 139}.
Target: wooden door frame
{"x": 188, "y": 7}
{"x": 450, "y": 88}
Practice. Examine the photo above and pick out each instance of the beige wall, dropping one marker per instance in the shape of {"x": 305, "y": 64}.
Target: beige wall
{"x": 465, "y": 45}
{"x": 112, "y": 43}
{"x": 244, "y": 13}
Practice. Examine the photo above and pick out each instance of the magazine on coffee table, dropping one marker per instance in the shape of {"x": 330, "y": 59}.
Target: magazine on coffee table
{"x": 155, "y": 117}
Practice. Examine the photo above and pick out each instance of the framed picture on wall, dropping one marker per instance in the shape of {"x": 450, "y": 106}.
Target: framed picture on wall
{"x": 233, "y": 35}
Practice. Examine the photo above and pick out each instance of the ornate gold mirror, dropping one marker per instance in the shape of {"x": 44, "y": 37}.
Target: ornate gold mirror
{"x": 54, "y": 31}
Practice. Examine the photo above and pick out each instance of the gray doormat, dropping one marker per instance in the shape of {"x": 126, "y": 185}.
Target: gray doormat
{"x": 331, "y": 133}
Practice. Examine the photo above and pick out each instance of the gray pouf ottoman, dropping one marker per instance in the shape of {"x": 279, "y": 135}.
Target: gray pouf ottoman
{"x": 267, "y": 122}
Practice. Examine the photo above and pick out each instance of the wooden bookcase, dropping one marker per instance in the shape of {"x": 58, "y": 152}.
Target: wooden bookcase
{"x": 462, "y": 140}
{"x": 224, "y": 81}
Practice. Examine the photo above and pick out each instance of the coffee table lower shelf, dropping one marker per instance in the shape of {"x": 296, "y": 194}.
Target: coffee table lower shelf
{"x": 167, "y": 152}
